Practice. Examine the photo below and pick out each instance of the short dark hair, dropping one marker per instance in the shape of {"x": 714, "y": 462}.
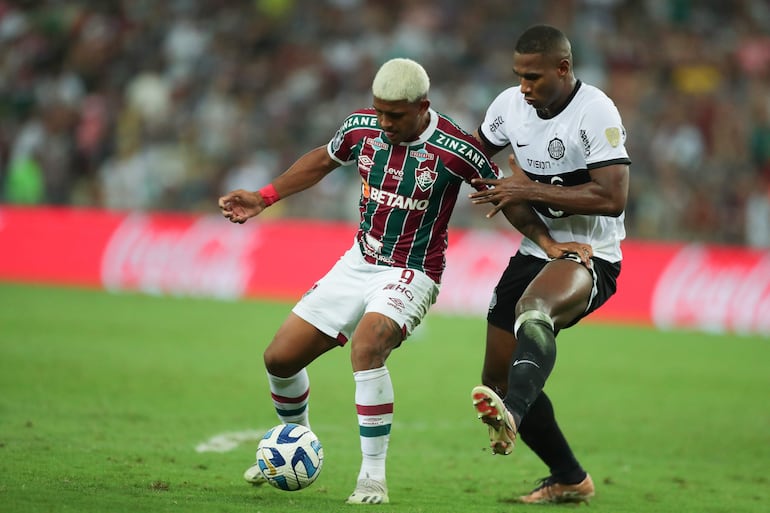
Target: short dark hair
{"x": 543, "y": 39}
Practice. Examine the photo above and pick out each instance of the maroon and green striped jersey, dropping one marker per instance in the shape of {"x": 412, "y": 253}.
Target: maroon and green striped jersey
{"x": 409, "y": 190}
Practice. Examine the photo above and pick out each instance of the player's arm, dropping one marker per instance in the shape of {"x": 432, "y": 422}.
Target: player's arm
{"x": 240, "y": 205}
{"x": 524, "y": 218}
{"x": 490, "y": 150}
{"x": 605, "y": 194}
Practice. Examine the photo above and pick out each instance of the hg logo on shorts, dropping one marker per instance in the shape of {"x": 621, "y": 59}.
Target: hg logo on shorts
{"x": 399, "y": 288}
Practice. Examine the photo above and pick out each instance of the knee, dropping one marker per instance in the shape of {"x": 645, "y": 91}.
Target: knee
{"x": 276, "y": 364}
{"x": 532, "y": 315}
{"x": 367, "y": 356}
{"x": 529, "y": 303}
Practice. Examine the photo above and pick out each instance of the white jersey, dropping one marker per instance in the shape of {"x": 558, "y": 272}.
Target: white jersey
{"x": 587, "y": 134}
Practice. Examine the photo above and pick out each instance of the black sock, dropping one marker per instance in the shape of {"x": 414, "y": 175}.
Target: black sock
{"x": 541, "y": 433}
{"x": 532, "y": 363}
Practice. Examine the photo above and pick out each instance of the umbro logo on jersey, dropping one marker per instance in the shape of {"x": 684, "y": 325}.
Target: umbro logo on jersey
{"x": 365, "y": 162}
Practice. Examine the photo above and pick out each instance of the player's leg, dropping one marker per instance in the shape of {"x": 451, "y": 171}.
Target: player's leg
{"x": 559, "y": 294}
{"x": 567, "y": 480}
{"x": 375, "y": 337}
{"x": 296, "y": 344}
{"x": 323, "y": 319}
{"x": 500, "y": 337}
{"x": 500, "y": 345}
{"x": 397, "y": 301}
{"x": 556, "y": 298}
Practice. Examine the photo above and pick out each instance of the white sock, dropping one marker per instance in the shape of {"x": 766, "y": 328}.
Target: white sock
{"x": 374, "y": 404}
{"x": 290, "y": 397}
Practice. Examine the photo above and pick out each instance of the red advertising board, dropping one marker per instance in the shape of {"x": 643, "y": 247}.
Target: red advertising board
{"x": 668, "y": 285}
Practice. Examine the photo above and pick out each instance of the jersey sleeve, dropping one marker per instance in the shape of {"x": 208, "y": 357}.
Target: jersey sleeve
{"x": 343, "y": 147}
{"x": 339, "y": 150}
{"x": 470, "y": 162}
{"x": 603, "y": 135}
{"x": 492, "y": 129}
{"x": 489, "y": 170}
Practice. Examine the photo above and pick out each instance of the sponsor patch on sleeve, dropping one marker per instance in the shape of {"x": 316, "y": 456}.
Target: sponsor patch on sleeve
{"x": 613, "y": 136}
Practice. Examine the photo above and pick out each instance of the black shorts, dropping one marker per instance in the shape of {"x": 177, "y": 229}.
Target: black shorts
{"x": 522, "y": 269}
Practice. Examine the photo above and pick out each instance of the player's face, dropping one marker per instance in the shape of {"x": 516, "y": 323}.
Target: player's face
{"x": 401, "y": 121}
{"x": 542, "y": 79}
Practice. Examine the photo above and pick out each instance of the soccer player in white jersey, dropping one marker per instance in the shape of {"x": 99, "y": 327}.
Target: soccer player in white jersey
{"x": 412, "y": 161}
{"x": 570, "y": 163}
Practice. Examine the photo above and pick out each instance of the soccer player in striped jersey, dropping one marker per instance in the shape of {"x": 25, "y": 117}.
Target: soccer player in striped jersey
{"x": 569, "y": 160}
{"x": 412, "y": 161}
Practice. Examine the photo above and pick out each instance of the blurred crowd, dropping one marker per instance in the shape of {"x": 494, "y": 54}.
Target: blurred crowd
{"x": 165, "y": 105}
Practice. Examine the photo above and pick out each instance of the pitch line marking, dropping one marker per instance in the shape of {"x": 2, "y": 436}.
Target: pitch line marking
{"x": 224, "y": 442}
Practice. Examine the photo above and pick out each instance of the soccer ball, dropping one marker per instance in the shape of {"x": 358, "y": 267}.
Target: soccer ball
{"x": 290, "y": 457}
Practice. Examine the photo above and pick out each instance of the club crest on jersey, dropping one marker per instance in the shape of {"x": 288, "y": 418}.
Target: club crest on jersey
{"x": 425, "y": 178}
{"x": 556, "y": 148}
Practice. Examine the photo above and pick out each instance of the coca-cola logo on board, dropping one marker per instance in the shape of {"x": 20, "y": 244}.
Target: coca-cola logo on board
{"x": 714, "y": 291}
{"x": 206, "y": 257}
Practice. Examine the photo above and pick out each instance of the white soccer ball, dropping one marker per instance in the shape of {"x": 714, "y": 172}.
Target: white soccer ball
{"x": 290, "y": 457}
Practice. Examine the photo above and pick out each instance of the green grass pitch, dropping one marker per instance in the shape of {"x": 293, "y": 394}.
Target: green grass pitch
{"x": 107, "y": 399}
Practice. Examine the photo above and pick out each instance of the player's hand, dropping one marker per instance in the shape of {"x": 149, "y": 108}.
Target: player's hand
{"x": 505, "y": 191}
{"x": 240, "y": 205}
{"x": 560, "y": 249}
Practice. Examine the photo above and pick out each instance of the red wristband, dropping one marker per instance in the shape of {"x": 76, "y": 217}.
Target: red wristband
{"x": 269, "y": 194}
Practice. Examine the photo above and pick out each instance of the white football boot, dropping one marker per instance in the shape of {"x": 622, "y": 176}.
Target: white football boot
{"x": 369, "y": 491}
{"x": 254, "y": 476}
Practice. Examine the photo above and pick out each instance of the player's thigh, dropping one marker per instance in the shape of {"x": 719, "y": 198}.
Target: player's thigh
{"x": 513, "y": 281}
{"x": 335, "y": 303}
{"x": 562, "y": 289}
{"x": 396, "y": 300}
{"x": 294, "y": 346}
{"x": 403, "y": 295}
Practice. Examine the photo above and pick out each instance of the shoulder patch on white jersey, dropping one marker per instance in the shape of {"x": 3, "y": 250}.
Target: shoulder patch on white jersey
{"x": 613, "y": 136}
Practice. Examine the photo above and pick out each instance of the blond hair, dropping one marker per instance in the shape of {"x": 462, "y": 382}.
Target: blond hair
{"x": 401, "y": 79}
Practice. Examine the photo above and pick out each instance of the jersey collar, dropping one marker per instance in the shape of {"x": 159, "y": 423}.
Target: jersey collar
{"x": 578, "y": 83}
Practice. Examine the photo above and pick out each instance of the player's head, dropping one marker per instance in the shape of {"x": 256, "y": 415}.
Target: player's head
{"x": 543, "y": 62}
{"x": 400, "y": 90}
{"x": 401, "y": 79}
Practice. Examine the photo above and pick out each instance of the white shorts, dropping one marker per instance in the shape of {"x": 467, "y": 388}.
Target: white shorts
{"x": 353, "y": 287}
